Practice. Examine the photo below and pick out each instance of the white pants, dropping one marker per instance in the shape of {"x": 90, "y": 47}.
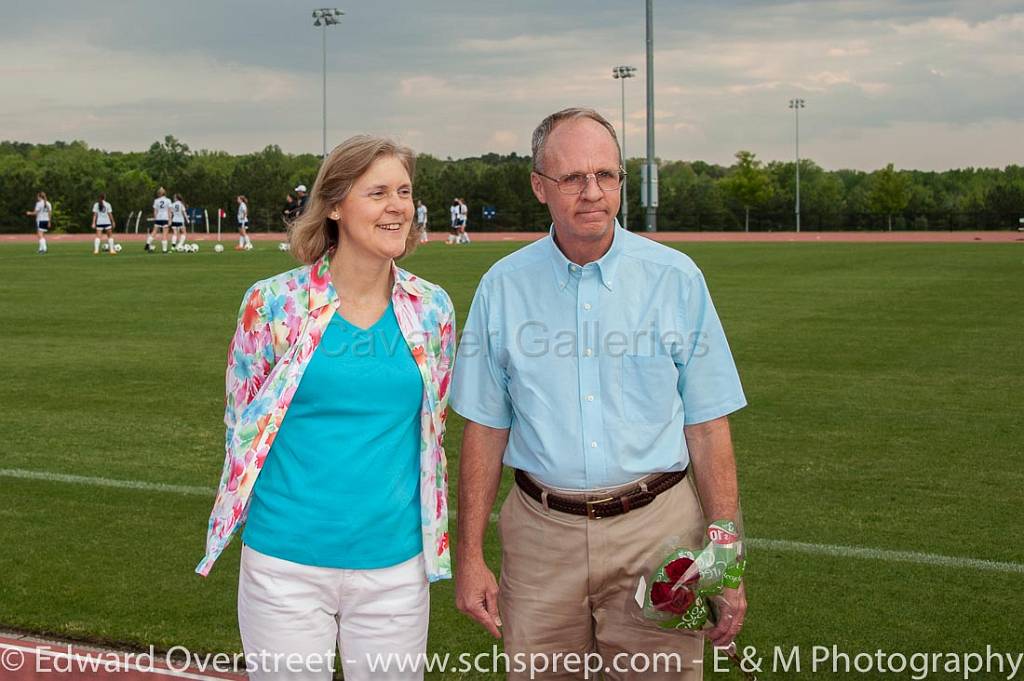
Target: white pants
{"x": 290, "y": 610}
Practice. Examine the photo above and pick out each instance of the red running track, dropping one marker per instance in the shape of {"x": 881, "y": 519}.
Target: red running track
{"x": 24, "y": 658}
{"x": 230, "y": 238}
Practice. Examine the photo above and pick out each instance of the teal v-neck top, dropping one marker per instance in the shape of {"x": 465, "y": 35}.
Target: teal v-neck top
{"x": 340, "y": 486}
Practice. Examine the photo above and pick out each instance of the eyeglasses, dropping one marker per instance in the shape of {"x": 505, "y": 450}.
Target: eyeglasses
{"x": 576, "y": 183}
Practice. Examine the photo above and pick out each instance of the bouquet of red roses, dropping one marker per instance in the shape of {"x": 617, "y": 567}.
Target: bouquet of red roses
{"x": 676, "y": 594}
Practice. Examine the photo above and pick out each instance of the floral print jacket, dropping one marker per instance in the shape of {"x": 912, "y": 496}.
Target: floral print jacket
{"x": 280, "y": 325}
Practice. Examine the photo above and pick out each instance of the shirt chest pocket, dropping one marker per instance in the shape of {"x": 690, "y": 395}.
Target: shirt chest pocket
{"x": 648, "y": 387}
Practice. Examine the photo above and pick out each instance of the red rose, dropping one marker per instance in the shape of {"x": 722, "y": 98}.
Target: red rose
{"x": 667, "y": 599}
{"x": 677, "y": 568}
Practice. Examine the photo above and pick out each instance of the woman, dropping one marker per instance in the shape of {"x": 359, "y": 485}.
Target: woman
{"x": 42, "y": 212}
{"x": 463, "y": 219}
{"x": 290, "y": 210}
{"x": 337, "y": 390}
{"x": 103, "y": 221}
{"x": 179, "y": 216}
{"x": 244, "y": 244}
{"x": 161, "y": 218}
{"x": 453, "y": 232}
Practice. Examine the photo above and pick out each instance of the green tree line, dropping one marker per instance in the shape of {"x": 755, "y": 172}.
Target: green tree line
{"x": 693, "y": 195}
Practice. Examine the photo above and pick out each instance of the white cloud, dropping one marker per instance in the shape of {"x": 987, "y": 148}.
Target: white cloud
{"x": 504, "y": 141}
{"x": 464, "y": 78}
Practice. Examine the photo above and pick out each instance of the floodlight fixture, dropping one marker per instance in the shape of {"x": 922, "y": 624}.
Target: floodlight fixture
{"x": 623, "y": 72}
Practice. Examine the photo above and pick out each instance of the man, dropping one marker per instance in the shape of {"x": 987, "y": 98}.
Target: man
{"x": 300, "y": 193}
{"x": 594, "y": 363}
{"x": 421, "y": 222}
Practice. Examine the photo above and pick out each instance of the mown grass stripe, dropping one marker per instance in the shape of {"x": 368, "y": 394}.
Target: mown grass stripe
{"x": 784, "y": 545}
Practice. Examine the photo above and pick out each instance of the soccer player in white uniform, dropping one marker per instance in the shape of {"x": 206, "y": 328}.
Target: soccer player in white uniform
{"x": 42, "y": 212}
{"x": 463, "y": 219}
{"x": 244, "y": 243}
{"x": 453, "y": 233}
{"x": 161, "y": 218}
{"x": 421, "y": 222}
{"x": 178, "y": 220}
{"x": 103, "y": 221}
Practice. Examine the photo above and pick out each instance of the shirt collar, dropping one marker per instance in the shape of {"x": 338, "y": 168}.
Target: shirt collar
{"x": 607, "y": 265}
{"x": 323, "y": 293}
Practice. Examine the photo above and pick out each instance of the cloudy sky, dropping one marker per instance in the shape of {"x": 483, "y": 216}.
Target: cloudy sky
{"x": 930, "y": 84}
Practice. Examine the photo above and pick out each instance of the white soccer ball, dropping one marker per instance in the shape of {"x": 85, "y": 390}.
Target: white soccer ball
{"x": 195, "y": 248}
{"x": 248, "y": 247}
{"x": 117, "y": 248}
{"x": 283, "y": 246}
{"x": 219, "y": 248}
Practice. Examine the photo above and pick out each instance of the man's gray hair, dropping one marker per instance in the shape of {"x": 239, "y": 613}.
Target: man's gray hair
{"x": 540, "y": 134}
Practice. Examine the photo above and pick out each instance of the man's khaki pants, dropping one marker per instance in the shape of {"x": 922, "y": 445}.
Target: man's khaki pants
{"x": 568, "y": 584}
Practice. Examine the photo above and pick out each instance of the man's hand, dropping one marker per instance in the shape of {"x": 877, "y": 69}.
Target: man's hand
{"x": 476, "y": 590}
{"x": 732, "y": 608}
{"x": 476, "y": 594}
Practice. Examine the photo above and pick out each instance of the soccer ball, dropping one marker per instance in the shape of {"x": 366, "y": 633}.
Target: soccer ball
{"x": 180, "y": 248}
{"x": 104, "y": 246}
{"x": 248, "y": 247}
{"x": 219, "y": 248}
{"x": 117, "y": 248}
{"x": 194, "y": 248}
{"x": 283, "y": 246}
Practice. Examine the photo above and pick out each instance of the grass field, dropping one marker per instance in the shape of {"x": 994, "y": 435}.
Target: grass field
{"x": 884, "y": 380}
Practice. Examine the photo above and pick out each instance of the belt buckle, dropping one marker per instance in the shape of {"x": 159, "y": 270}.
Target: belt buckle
{"x": 591, "y": 511}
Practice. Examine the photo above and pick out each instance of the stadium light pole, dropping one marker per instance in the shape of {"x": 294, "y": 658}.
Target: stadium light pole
{"x": 325, "y": 16}
{"x": 652, "y": 210}
{"x": 622, "y": 73}
{"x": 796, "y": 105}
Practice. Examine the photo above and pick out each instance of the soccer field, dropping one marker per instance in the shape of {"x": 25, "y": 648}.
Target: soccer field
{"x": 880, "y": 457}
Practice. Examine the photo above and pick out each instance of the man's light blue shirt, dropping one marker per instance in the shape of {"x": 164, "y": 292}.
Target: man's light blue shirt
{"x": 594, "y": 370}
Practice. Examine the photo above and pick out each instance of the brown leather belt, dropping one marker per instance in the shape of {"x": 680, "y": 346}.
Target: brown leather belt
{"x": 637, "y": 496}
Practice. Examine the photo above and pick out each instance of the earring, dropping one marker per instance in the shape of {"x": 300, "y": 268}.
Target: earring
{"x": 335, "y": 216}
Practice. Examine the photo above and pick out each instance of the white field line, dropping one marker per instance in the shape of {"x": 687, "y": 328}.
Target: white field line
{"x": 99, "y": 660}
{"x": 107, "y": 482}
{"x": 783, "y": 545}
{"x": 886, "y": 555}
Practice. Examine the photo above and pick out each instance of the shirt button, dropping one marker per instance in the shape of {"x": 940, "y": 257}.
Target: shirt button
{"x": 573, "y": 268}
{"x": 588, "y": 352}
{"x": 590, "y": 398}
{"x": 586, "y": 306}
{"x": 593, "y": 445}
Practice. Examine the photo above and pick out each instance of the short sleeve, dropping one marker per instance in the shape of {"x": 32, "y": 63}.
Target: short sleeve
{"x": 480, "y": 385}
{"x": 709, "y": 383}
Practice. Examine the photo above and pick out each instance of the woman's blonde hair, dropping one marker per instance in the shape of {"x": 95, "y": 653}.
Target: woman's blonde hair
{"x": 314, "y": 233}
